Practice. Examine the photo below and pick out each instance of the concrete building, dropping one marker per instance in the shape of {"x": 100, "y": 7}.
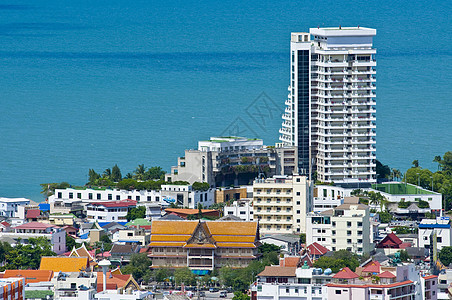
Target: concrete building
{"x": 344, "y": 227}
{"x": 439, "y": 227}
{"x": 242, "y": 208}
{"x": 228, "y": 194}
{"x": 203, "y": 246}
{"x": 12, "y": 288}
{"x": 284, "y": 283}
{"x": 133, "y": 236}
{"x": 9, "y": 207}
{"x": 75, "y": 285}
{"x": 224, "y": 161}
{"x": 396, "y": 192}
{"x": 281, "y": 203}
{"x": 109, "y": 211}
{"x": 327, "y": 197}
{"x": 55, "y": 234}
{"x": 186, "y": 196}
{"x": 330, "y": 113}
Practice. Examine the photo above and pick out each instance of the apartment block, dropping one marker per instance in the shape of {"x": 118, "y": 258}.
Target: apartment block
{"x": 344, "y": 227}
{"x": 281, "y": 203}
{"x": 330, "y": 109}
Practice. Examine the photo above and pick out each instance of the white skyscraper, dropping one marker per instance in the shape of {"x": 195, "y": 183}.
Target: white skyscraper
{"x": 330, "y": 113}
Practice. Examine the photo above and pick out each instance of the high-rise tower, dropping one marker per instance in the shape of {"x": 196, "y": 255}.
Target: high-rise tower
{"x": 330, "y": 113}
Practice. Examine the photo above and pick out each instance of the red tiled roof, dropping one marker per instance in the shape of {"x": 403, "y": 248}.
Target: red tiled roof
{"x": 277, "y": 271}
{"x": 345, "y": 273}
{"x": 390, "y": 241}
{"x": 317, "y": 249}
{"x": 430, "y": 277}
{"x": 386, "y": 274}
{"x": 289, "y": 261}
{"x": 404, "y": 245}
{"x": 34, "y": 225}
{"x": 31, "y": 276}
{"x": 33, "y": 213}
{"x": 6, "y": 224}
{"x": 119, "y": 203}
{"x": 372, "y": 267}
{"x": 396, "y": 284}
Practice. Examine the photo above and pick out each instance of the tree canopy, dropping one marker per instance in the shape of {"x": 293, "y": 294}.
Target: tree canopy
{"x": 339, "y": 260}
{"x": 136, "y": 213}
{"x": 445, "y": 255}
{"x": 139, "y": 267}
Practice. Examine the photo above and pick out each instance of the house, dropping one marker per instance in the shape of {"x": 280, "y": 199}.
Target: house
{"x": 117, "y": 281}
{"x": 62, "y": 219}
{"x": 5, "y": 226}
{"x": 33, "y": 215}
{"x": 9, "y": 206}
{"x": 70, "y": 230}
{"x": 133, "y": 236}
{"x": 109, "y": 211}
{"x": 75, "y": 285}
{"x": 142, "y": 223}
{"x": 203, "y": 245}
{"x": 391, "y": 244}
{"x": 185, "y": 196}
{"x": 54, "y": 234}
{"x": 121, "y": 254}
{"x": 289, "y": 243}
{"x": 315, "y": 251}
{"x": 84, "y": 253}
{"x": 64, "y": 264}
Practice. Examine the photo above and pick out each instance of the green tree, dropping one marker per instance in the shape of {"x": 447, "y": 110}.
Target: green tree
{"x": 185, "y": 276}
{"x": 48, "y": 189}
{"x": 162, "y": 273}
{"x": 445, "y": 256}
{"x": 385, "y": 217}
{"x": 155, "y": 173}
{"x": 383, "y": 171}
{"x": 446, "y": 163}
{"x": 138, "y": 212}
{"x": 339, "y": 260}
{"x": 140, "y": 172}
{"x": 240, "y": 296}
{"x": 139, "y": 267}
{"x": 415, "y": 163}
{"x": 404, "y": 256}
{"x": 116, "y": 173}
{"x": 303, "y": 238}
{"x": 200, "y": 186}
{"x": 266, "y": 248}
{"x": 70, "y": 242}
{"x": 93, "y": 176}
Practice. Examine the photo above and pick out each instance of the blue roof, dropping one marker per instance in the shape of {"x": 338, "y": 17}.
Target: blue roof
{"x": 201, "y": 272}
{"x": 44, "y": 206}
{"x": 434, "y": 225}
{"x": 102, "y": 224}
{"x": 122, "y": 241}
{"x": 84, "y": 236}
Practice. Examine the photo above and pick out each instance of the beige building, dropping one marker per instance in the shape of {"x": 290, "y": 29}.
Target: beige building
{"x": 134, "y": 236}
{"x": 281, "y": 203}
{"x": 344, "y": 227}
{"x": 203, "y": 246}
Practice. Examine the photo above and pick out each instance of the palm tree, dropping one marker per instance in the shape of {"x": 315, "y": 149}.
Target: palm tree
{"x": 139, "y": 172}
{"x": 396, "y": 173}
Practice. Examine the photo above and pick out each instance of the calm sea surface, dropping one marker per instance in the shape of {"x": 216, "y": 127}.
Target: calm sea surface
{"x": 87, "y": 84}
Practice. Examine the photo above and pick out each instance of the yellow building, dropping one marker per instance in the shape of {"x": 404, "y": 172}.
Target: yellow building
{"x": 203, "y": 246}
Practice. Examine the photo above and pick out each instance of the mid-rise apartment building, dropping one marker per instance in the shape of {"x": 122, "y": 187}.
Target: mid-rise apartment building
{"x": 281, "y": 203}
{"x": 109, "y": 211}
{"x": 224, "y": 161}
{"x": 344, "y": 227}
{"x": 327, "y": 197}
{"x": 9, "y": 207}
{"x": 185, "y": 196}
{"x": 438, "y": 229}
{"x": 242, "y": 209}
{"x": 330, "y": 110}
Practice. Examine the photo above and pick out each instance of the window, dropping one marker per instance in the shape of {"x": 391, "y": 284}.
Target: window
{"x": 333, "y": 241}
{"x": 137, "y": 198}
{"x": 287, "y": 290}
{"x": 298, "y": 220}
{"x": 349, "y": 232}
{"x": 298, "y": 194}
{"x": 60, "y": 195}
{"x": 360, "y": 224}
{"x": 79, "y": 195}
{"x": 110, "y": 197}
{"x": 333, "y": 232}
{"x": 90, "y": 196}
{"x": 98, "y": 196}
{"x": 349, "y": 241}
{"x": 324, "y": 193}
{"x": 439, "y": 239}
{"x": 71, "y": 195}
{"x": 296, "y": 290}
{"x": 334, "y": 224}
{"x": 360, "y": 232}
{"x": 73, "y": 285}
{"x": 129, "y": 233}
{"x": 349, "y": 224}
{"x": 298, "y": 202}
{"x": 118, "y": 197}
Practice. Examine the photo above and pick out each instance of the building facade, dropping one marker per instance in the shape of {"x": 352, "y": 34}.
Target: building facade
{"x": 186, "y": 196}
{"x": 224, "y": 161}
{"x": 281, "y": 203}
{"x": 344, "y": 227}
{"x": 203, "y": 246}
{"x": 327, "y": 197}
{"x": 242, "y": 208}
{"x": 438, "y": 229}
{"x": 109, "y": 211}
{"x": 330, "y": 110}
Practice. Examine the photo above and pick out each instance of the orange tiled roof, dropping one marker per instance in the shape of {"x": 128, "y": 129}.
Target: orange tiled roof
{"x": 230, "y": 238}
{"x": 64, "y": 264}
{"x": 167, "y": 244}
{"x": 232, "y": 228}
{"x": 236, "y": 245}
{"x": 170, "y": 238}
{"x": 199, "y": 246}
{"x": 114, "y": 281}
{"x": 277, "y": 271}
{"x": 173, "y": 227}
{"x": 31, "y": 276}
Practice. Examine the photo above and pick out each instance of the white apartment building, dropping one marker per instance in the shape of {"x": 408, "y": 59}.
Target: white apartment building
{"x": 9, "y": 207}
{"x": 344, "y": 227}
{"x": 242, "y": 208}
{"x": 109, "y": 211}
{"x": 285, "y": 283}
{"x": 75, "y": 285}
{"x": 133, "y": 236}
{"x": 327, "y": 197}
{"x": 330, "y": 113}
{"x": 428, "y": 228}
{"x": 281, "y": 203}
{"x": 186, "y": 196}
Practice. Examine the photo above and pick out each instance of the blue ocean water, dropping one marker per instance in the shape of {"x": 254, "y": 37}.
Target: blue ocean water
{"x": 87, "y": 84}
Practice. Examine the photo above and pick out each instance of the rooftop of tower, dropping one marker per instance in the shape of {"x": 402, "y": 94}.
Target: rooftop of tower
{"x": 343, "y": 31}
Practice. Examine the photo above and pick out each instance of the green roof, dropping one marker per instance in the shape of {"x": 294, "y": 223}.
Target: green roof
{"x": 37, "y": 294}
{"x": 401, "y": 189}
{"x": 140, "y": 222}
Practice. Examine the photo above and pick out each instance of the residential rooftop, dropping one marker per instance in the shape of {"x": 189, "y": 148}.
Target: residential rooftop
{"x": 401, "y": 189}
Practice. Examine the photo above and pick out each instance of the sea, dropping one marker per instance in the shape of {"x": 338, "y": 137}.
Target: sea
{"x": 90, "y": 84}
